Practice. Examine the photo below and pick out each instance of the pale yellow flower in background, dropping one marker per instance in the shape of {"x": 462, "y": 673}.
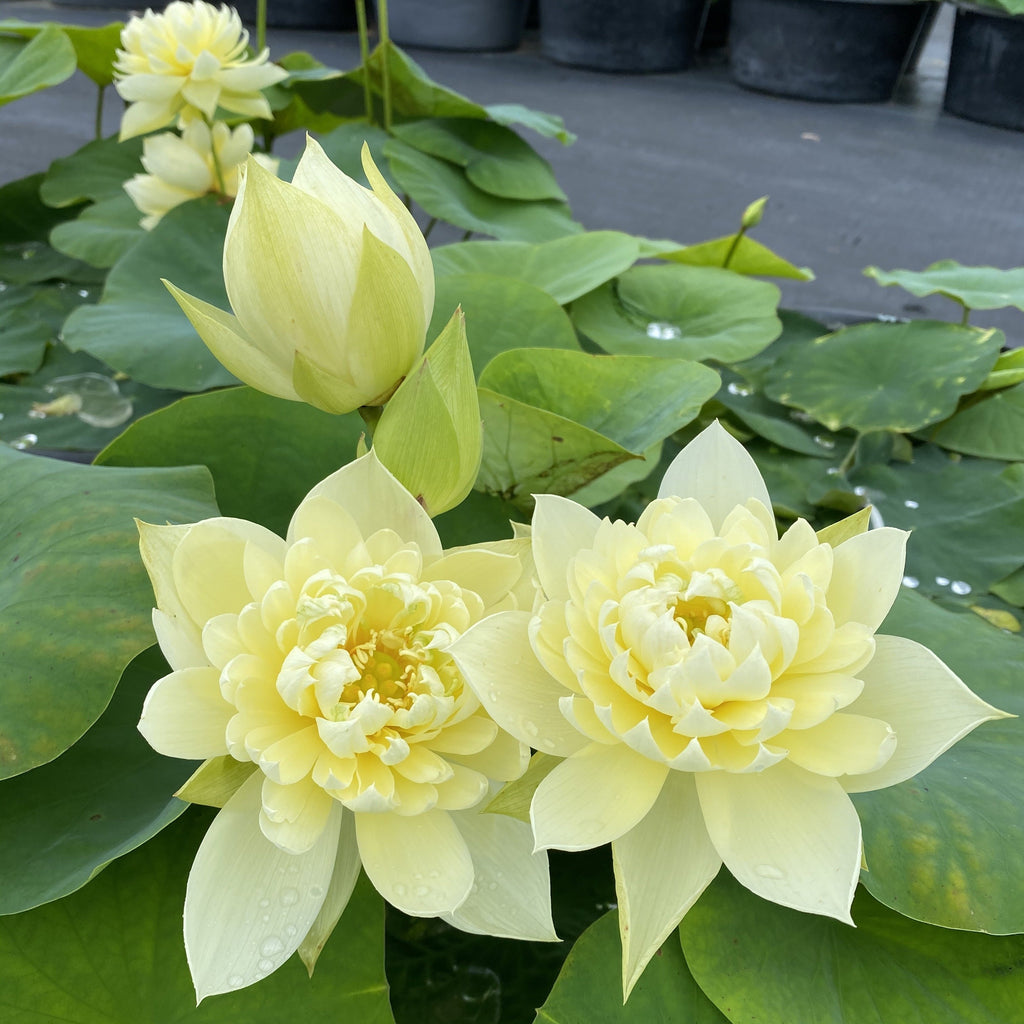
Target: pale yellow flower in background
{"x": 331, "y": 284}
{"x": 716, "y": 690}
{"x": 187, "y": 62}
{"x": 319, "y": 662}
{"x": 182, "y": 167}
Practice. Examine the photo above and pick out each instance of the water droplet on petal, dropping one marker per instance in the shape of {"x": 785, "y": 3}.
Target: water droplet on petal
{"x": 264, "y": 903}
{"x": 531, "y": 729}
{"x": 910, "y": 503}
{"x": 421, "y": 890}
{"x": 399, "y": 889}
{"x": 942, "y": 581}
{"x": 271, "y": 946}
{"x": 236, "y": 981}
{"x": 316, "y": 892}
{"x": 492, "y": 886}
{"x": 289, "y": 897}
{"x": 663, "y": 331}
{"x": 960, "y": 587}
{"x": 290, "y": 931}
{"x": 265, "y": 965}
{"x": 769, "y": 871}
{"x": 912, "y": 582}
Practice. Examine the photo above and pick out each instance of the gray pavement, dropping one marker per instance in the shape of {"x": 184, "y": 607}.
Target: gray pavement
{"x": 679, "y": 155}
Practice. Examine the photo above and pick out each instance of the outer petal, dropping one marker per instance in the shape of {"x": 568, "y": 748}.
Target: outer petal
{"x": 866, "y": 576}
{"x": 420, "y": 864}
{"x": 249, "y": 904}
{"x": 343, "y": 881}
{"x": 561, "y": 527}
{"x": 594, "y": 797}
{"x": 185, "y": 715}
{"x": 715, "y": 469}
{"x": 157, "y": 545}
{"x": 223, "y": 336}
{"x": 662, "y": 865}
{"x": 924, "y": 702}
{"x": 511, "y": 896}
{"x": 377, "y": 501}
{"x": 495, "y": 658}
{"x": 279, "y": 249}
{"x": 787, "y": 835}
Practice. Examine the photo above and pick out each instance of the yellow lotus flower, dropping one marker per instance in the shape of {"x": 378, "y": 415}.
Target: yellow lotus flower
{"x": 717, "y": 691}
{"x": 186, "y": 62}
{"x": 182, "y": 167}
{"x": 319, "y": 662}
{"x": 331, "y": 284}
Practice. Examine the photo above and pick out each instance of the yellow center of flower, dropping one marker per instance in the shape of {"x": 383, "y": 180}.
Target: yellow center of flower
{"x": 704, "y": 649}
{"x": 351, "y": 690}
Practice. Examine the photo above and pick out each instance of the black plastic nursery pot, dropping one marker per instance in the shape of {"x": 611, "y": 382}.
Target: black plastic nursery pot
{"x": 836, "y": 51}
{"x": 336, "y": 15}
{"x": 986, "y": 68}
{"x": 457, "y": 24}
{"x": 610, "y": 35}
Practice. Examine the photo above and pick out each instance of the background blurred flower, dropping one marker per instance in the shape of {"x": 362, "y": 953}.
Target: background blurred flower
{"x": 716, "y": 690}
{"x": 331, "y": 284}
{"x": 320, "y": 661}
{"x": 187, "y": 61}
{"x": 183, "y": 167}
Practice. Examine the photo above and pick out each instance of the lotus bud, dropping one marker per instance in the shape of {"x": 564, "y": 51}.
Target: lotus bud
{"x": 430, "y": 435}
{"x": 331, "y": 286}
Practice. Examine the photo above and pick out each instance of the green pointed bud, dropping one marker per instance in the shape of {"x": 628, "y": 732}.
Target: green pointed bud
{"x": 753, "y": 213}
{"x": 430, "y": 436}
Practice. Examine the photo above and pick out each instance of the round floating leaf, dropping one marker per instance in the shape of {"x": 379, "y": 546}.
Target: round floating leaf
{"x": 880, "y": 376}
{"x": 31, "y": 316}
{"x": 102, "y": 233}
{"x": 681, "y": 312}
{"x": 501, "y": 313}
{"x": 765, "y": 964}
{"x": 113, "y": 954}
{"x": 264, "y": 453}
{"x": 28, "y": 66}
{"x": 992, "y": 427}
{"x": 494, "y": 157}
{"x": 565, "y": 268}
{"x": 444, "y": 191}
{"x": 96, "y": 171}
{"x": 24, "y": 217}
{"x": 589, "y": 987}
{"x": 637, "y": 401}
{"x": 137, "y": 328}
{"x": 968, "y": 522}
{"x": 944, "y": 847}
{"x": 108, "y": 794}
{"x": 974, "y": 287}
{"x": 75, "y": 599}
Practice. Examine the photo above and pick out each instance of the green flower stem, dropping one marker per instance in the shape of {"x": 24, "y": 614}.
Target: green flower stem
{"x": 371, "y": 415}
{"x": 385, "y": 47}
{"x": 364, "y": 56}
{"x": 217, "y": 169}
{"x": 429, "y": 228}
{"x": 261, "y": 25}
{"x": 965, "y": 320}
{"x": 735, "y": 245}
{"x": 99, "y": 112}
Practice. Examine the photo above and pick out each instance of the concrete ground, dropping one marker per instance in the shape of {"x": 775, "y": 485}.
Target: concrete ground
{"x": 899, "y": 184}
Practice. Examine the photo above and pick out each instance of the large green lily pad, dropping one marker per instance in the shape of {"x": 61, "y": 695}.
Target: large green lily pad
{"x": 113, "y": 953}
{"x": 765, "y": 964}
{"x": 65, "y": 821}
{"x": 565, "y": 268}
{"x": 26, "y": 66}
{"x": 589, "y": 987}
{"x": 682, "y": 312}
{"x": 74, "y": 597}
{"x": 992, "y": 427}
{"x": 880, "y": 376}
{"x": 137, "y": 328}
{"x": 944, "y": 847}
